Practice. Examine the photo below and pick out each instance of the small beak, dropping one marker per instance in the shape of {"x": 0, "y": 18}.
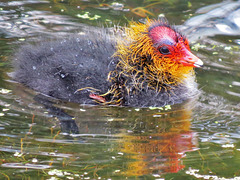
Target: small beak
{"x": 189, "y": 59}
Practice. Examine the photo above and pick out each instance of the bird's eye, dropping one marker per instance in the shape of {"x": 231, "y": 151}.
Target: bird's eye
{"x": 164, "y": 50}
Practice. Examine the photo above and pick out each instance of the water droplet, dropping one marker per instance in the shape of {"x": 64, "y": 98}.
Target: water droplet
{"x": 89, "y": 42}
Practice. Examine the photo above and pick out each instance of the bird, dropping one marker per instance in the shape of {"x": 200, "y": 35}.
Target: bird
{"x": 146, "y": 64}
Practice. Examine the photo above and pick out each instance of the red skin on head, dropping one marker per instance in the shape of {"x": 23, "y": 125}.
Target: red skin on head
{"x": 162, "y": 32}
{"x": 174, "y": 44}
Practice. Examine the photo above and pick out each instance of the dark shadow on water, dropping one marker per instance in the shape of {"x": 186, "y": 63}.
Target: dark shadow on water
{"x": 67, "y": 123}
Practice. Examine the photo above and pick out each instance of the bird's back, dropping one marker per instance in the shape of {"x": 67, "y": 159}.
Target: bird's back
{"x": 59, "y": 68}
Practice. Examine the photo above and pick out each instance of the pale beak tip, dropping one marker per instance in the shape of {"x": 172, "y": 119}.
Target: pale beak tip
{"x": 198, "y": 64}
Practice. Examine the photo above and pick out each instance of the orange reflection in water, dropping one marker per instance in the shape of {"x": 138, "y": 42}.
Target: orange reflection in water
{"x": 159, "y": 147}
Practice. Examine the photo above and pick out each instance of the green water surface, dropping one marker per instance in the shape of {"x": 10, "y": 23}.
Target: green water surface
{"x": 198, "y": 139}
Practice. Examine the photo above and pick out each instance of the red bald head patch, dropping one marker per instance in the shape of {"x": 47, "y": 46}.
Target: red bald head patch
{"x": 171, "y": 44}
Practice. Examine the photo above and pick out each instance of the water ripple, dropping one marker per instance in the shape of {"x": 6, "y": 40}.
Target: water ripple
{"x": 25, "y": 166}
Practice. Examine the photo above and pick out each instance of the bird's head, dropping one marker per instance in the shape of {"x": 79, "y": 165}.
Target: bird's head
{"x": 158, "y": 52}
{"x": 170, "y": 44}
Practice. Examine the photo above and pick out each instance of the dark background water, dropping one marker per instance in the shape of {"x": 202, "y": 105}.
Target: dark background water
{"x": 198, "y": 139}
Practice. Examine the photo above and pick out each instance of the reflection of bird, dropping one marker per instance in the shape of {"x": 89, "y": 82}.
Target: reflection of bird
{"x": 157, "y": 145}
{"x": 147, "y": 65}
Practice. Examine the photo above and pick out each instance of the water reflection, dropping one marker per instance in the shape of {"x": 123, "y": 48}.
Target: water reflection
{"x": 222, "y": 18}
{"x": 138, "y": 141}
{"x": 157, "y": 145}
{"x": 151, "y": 141}
{"x": 32, "y": 22}
{"x": 157, "y": 153}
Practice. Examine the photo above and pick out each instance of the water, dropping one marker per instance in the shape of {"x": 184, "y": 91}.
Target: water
{"x": 193, "y": 140}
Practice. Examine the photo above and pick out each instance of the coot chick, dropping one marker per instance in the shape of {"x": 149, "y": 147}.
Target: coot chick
{"x": 147, "y": 65}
